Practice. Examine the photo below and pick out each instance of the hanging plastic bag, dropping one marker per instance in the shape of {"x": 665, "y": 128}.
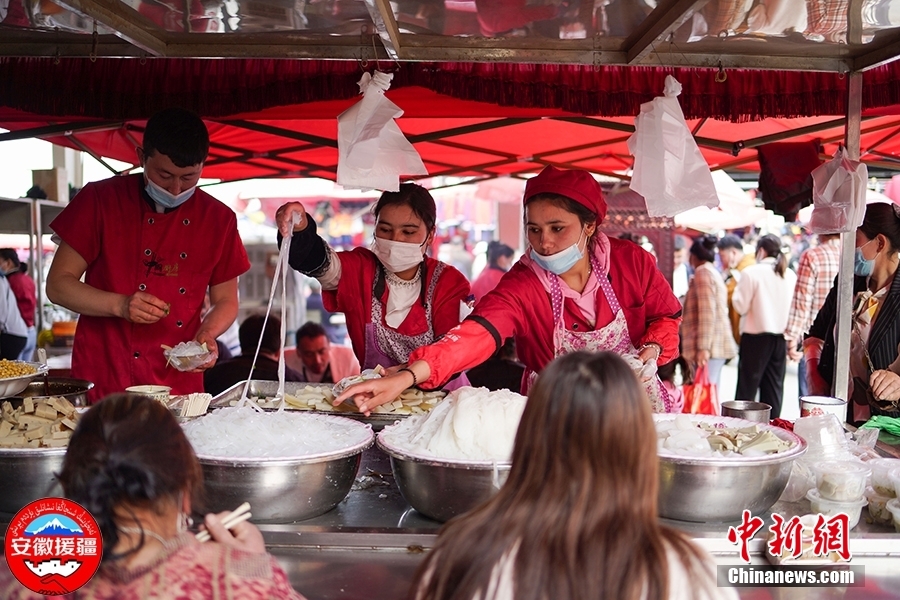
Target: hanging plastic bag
{"x": 669, "y": 171}
{"x": 839, "y": 195}
{"x": 701, "y": 397}
{"x": 372, "y": 151}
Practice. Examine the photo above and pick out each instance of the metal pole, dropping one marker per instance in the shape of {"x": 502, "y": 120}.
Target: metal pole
{"x": 848, "y": 245}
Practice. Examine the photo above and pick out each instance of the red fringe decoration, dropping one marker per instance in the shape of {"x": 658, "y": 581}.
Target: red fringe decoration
{"x": 112, "y": 88}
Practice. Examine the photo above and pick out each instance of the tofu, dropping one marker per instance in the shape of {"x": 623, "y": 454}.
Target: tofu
{"x": 69, "y": 423}
{"x": 28, "y": 405}
{"x": 55, "y": 443}
{"x": 61, "y": 435}
{"x": 12, "y": 441}
{"x": 34, "y": 434}
{"x": 5, "y": 428}
{"x": 32, "y": 422}
{"x": 45, "y": 411}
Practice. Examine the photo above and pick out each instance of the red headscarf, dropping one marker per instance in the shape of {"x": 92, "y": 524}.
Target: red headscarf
{"x": 575, "y": 184}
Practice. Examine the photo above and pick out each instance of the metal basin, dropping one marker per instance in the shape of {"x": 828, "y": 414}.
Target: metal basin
{"x": 73, "y": 390}
{"x": 719, "y": 489}
{"x": 443, "y": 489}
{"x": 282, "y": 490}
{"x": 28, "y": 474}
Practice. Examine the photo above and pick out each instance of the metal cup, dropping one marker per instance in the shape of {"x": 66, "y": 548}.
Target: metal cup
{"x": 744, "y": 409}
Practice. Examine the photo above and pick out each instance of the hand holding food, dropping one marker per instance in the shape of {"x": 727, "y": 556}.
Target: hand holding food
{"x": 283, "y": 218}
{"x": 143, "y": 308}
{"x": 375, "y": 392}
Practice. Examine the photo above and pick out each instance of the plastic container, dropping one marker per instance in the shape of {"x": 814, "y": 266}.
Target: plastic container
{"x": 893, "y": 507}
{"x": 157, "y": 392}
{"x": 841, "y": 480}
{"x": 878, "y": 511}
{"x": 825, "y": 437}
{"x": 832, "y": 507}
{"x": 881, "y": 481}
{"x": 894, "y": 476}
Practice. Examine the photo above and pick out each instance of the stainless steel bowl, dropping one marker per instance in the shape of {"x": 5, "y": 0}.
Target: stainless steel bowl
{"x": 73, "y": 390}
{"x": 13, "y": 385}
{"x": 442, "y": 489}
{"x": 720, "y": 489}
{"x": 283, "y": 490}
{"x": 28, "y": 474}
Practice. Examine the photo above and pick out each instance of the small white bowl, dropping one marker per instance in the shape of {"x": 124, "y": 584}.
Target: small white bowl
{"x": 831, "y": 507}
{"x": 841, "y": 480}
{"x": 881, "y": 481}
{"x": 893, "y": 506}
{"x": 157, "y": 392}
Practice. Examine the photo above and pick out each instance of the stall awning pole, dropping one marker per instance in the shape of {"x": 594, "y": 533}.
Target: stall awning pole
{"x": 848, "y": 246}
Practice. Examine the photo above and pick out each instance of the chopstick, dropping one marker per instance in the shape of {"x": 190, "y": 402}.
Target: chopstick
{"x": 238, "y": 515}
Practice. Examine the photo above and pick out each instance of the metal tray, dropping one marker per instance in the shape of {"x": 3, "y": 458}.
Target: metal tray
{"x": 262, "y": 388}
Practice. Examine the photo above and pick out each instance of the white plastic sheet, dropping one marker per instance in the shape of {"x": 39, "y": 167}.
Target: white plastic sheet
{"x": 669, "y": 170}
{"x": 373, "y": 152}
{"x": 839, "y": 195}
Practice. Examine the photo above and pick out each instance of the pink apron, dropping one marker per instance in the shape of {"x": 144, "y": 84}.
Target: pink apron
{"x": 614, "y": 338}
{"x": 388, "y": 347}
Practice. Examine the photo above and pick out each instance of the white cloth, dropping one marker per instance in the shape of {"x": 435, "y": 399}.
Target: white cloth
{"x": 11, "y": 321}
{"x": 763, "y": 298}
{"x": 401, "y": 297}
{"x": 680, "y": 281}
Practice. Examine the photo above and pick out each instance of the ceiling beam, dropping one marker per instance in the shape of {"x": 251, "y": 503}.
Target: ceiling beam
{"x": 128, "y": 24}
{"x": 467, "y": 129}
{"x": 281, "y": 132}
{"x": 59, "y": 129}
{"x": 665, "y": 18}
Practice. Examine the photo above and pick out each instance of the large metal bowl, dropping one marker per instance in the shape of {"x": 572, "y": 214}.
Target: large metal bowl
{"x": 13, "y": 385}
{"x": 73, "y": 390}
{"x": 719, "y": 489}
{"x": 28, "y": 474}
{"x": 443, "y": 489}
{"x": 283, "y": 490}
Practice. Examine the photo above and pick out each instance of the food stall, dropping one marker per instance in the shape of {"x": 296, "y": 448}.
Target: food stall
{"x": 370, "y": 544}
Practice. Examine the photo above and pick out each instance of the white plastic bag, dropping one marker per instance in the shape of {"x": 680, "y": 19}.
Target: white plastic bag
{"x": 839, "y": 195}
{"x": 669, "y": 171}
{"x": 372, "y": 151}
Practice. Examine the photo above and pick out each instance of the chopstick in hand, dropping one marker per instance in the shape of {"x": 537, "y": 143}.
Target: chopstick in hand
{"x": 238, "y": 515}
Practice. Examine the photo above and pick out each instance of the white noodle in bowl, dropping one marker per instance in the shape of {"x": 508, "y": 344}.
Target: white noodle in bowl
{"x": 288, "y": 466}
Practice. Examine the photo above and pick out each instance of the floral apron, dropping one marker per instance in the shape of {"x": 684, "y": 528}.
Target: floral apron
{"x": 387, "y": 347}
{"x": 614, "y": 338}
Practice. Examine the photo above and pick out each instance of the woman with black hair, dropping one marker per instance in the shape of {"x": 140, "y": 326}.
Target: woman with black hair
{"x": 875, "y": 329}
{"x": 763, "y": 299}
{"x": 25, "y": 291}
{"x": 394, "y": 297}
{"x": 131, "y": 466}
{"x": 706, "y": 339}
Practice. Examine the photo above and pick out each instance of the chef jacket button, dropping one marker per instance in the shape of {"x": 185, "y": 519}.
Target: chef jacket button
{"x": 148, "y": 252}
{"x": 187, "y": 221}
{"x": 179, "y": 323}
{"x": 151, "y": 220}
{"x": 182, "y": 290}
{"x": 142, "y": 287}
{"x": 183, "y": 255}
{"x": 137, "y": 354}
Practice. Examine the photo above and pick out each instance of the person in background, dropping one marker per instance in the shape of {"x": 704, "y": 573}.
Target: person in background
{"x": 577, "y": 516}
{"x": 706, "y": 338}
{"x": 395, "y": 298}
{"x": 13, "y": 331}
{"x": 875, "y": 329}
{"x": 149, "y": 246}
{"x": 335, "y": 324}
{"x": 734, "y": 260}
{"x": 681, "y": 269}
{"x": 24, "y": 290}
{"x": 816, "y": 271}
{"x": 763, "y": 298}
{"x": 131, "y": 466}
{"x": 575, "y": 289}
{"x": 500, "y": 259}
{"x": 317, "y": 360}
{"x": 252, "y": 333}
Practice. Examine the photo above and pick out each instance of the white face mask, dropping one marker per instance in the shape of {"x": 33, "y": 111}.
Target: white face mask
{"x": 397, "y": 256}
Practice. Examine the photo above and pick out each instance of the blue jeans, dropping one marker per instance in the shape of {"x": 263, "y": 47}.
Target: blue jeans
{"x": 27, "y": 353}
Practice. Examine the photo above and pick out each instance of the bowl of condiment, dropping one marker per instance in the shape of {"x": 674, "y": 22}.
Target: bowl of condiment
{"x": 701, "y": 480}
{"x": 15, "y": 375}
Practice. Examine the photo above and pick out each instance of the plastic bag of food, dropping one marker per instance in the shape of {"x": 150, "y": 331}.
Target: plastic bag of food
{"x": 187, "y": 356}
{"x": 346, "y": 382}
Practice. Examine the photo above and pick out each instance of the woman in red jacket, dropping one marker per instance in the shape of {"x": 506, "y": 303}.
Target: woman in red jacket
{"x": 575, "y": 289}
{"x": 395, "y": 298}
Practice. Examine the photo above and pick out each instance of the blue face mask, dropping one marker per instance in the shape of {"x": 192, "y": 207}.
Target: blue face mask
{"x": 862, "y": 266}
{"x": 164, "y": 197}
{"x": 562, "y": 261}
